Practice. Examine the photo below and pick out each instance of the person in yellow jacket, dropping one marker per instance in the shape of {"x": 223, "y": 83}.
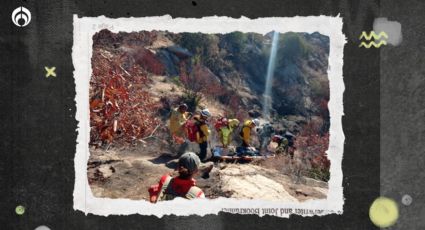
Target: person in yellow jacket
{"x": 246, "y": 131}
{"x": 225, "y": 132}
{"x": 203, "y": 132}
{"x": 178, "y": 118}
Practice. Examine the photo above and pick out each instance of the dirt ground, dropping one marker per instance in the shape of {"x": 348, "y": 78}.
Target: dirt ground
{"x": 128, "y": 173}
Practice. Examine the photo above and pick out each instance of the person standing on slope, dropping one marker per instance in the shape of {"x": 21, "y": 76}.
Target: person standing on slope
{"x": 178, "y": 118}
{"x": 203, "y": 132}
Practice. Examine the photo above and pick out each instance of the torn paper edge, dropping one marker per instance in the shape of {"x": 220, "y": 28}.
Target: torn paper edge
{"x": 86, "y": 27}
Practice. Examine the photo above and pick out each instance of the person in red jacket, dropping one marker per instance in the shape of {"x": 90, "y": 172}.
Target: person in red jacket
{"x": 183, "y": 185}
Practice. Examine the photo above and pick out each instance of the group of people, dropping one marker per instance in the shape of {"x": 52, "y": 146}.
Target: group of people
{"x": 187, "y": 127}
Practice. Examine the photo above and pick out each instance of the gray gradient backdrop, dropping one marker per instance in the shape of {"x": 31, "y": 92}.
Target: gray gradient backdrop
{"x": 403, "y": 113}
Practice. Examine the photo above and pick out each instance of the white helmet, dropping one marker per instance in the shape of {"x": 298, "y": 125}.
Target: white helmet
{"x": 256, "y": 122}
{"x": 205, "y": 113}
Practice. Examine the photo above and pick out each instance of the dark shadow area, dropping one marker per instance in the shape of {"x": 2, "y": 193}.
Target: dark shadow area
{"x": 167, "y": 159}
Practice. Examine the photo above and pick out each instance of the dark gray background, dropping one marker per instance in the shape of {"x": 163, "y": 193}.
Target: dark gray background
{"x": 383, "y": 104}
{"x": 403, "y": 113}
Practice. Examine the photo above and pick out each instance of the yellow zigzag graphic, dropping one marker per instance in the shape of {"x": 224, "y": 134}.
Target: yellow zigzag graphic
{"x": 372, "y": 43}
{"x": 372, "y": 34}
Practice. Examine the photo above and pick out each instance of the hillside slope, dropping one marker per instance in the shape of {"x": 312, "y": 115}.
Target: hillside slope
{"x": 139, "y": 77}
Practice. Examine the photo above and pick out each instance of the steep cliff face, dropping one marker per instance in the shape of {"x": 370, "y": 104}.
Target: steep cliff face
{"x": 239, "y": 62}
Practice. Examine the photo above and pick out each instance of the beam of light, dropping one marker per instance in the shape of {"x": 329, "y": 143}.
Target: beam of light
{"x": 267, "y": 96}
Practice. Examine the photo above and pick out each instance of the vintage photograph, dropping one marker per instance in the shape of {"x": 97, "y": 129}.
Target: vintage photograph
{"x": 233, "y": 115}
{"x": 196, "y": 115}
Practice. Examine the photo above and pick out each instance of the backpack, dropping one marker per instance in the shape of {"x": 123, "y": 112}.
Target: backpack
{"x": 281, "y": 141}
{"x": 241, "y": 131}
{"x": 291, "y": 138}
{"x": 277, "y": 138}
{"x": 167, "y": 193}
{"x": 192, "y": 128}
{"x": 219, "y": 124}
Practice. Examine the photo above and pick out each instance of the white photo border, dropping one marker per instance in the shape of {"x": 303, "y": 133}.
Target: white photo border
{"x": 86, "y": 27}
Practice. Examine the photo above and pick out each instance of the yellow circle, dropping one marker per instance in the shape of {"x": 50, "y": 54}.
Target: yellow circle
{"x": 20, "y": 210}
{"x": 383, "y": 212}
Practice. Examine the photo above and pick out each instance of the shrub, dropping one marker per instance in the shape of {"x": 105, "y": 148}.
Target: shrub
{"x": 318, "y": 174}
{"x": 235, "y": 41}
{"x": 313, "y": 147}
{"x": 205, "y": 45}
{"x": 176, "y": 80}
{"x": 292, "y": 46}
{"x": 191, "y": 98}
{"x": 121, "y": 109}
{"x": 201, "y": 80}
{"x": 319, "y": 88}
{"x": 143, "y": 57}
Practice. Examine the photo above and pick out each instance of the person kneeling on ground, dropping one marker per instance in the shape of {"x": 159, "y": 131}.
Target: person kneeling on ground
{"x": 224, "y": 128}
{"x": 285, "y": 143}
{"x": 183, "y": 185}
{"x": 225, "y": 131}
{"x": 245, "y": 133}
{"x": 246, "y": 149}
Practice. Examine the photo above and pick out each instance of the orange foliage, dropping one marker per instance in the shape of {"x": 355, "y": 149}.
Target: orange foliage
{"x": 121, "y": 108}
{"x": 144, "y": 58}
{"x": 313, "y": 146}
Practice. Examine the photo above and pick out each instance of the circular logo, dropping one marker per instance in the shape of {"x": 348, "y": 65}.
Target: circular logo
{"x": 20, "y": 210}
{"x": 21, "y": 16}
